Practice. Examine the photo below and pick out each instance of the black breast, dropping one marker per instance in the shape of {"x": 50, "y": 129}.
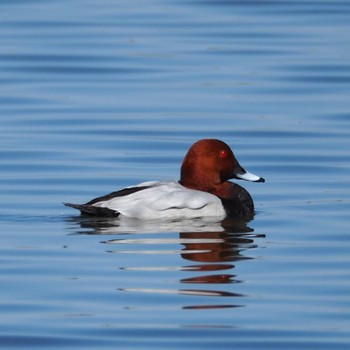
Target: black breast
{"x": 241, "y": 205}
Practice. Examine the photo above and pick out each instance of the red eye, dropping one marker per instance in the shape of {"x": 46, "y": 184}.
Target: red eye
{"x": 223, "y": 154}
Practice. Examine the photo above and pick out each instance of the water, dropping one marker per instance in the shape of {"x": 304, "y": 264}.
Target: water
{"x": 98, "y": 95}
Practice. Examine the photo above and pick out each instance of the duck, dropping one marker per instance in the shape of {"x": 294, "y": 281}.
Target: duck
{"x": 204, "y": 190}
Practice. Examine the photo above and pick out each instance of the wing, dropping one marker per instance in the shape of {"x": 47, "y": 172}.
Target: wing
{"x": 163, "y": 200}
{"x": 90, "y": 209}
{"x": 121, "y": 193}
{"x": 154, "y": 200}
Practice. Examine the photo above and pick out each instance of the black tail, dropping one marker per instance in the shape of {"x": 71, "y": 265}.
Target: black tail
{"x": 91, "y": 210}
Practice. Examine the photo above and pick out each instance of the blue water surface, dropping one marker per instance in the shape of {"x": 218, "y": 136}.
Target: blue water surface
{"x": 99, "y": 95}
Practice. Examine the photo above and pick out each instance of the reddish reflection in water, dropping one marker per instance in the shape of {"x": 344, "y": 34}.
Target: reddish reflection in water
{"x": 213, "y": 250}
{"x": 211, "y": 246}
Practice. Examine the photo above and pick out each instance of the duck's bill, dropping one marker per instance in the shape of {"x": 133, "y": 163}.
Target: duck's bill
{"x": 245, "y": 175}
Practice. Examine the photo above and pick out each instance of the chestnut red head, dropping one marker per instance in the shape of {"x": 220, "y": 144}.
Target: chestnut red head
{"x": 210, "y": 162}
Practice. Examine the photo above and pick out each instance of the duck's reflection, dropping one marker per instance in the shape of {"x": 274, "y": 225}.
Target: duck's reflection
{"x": 212, "y": 246}
{"x": 214, "y": 250}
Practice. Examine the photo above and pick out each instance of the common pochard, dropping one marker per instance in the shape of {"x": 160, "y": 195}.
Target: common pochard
{"x": 203, "y": 190}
